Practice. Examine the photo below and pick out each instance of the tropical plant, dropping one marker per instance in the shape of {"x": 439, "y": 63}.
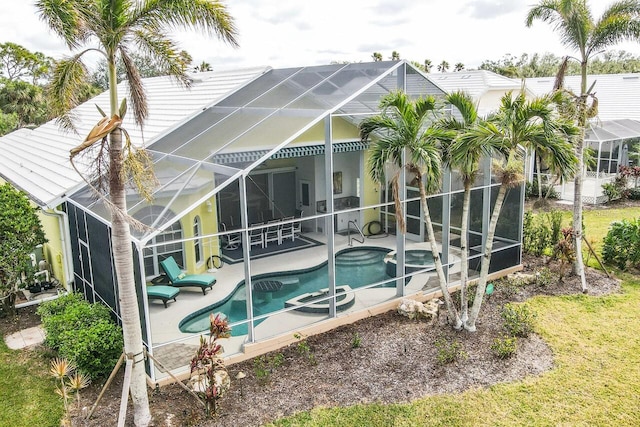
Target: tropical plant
{"x": 622, "y": 244}
{"x": 466, "y": 160}
{"x": 427, "y": 65}
{"x": 443, "y": 66}
{"x": 578, "y": 31}
{"x": 114, "y": 26}
{"x": 458, "y": 67}
{"x": 19, "y": 63}
{"x": 209, "y": 376}
{"x": 376, "y": 56}
{"x": 20, "y": 232}
{"x": 402, "y": 128}
{"x": 517, "y": 124}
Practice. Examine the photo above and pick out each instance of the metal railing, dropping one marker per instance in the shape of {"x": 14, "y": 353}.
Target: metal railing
{"x": 360, "y": 233}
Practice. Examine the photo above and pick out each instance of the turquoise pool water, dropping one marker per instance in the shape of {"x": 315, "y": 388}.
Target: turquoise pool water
{"x": 355, "y": 267}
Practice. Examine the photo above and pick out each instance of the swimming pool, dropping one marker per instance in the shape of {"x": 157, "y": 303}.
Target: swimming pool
{"x": 355, "y": 267}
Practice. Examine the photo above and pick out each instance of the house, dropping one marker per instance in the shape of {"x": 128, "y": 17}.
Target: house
{"x": 264, "y": 184}
{"x": 612, "y": 134}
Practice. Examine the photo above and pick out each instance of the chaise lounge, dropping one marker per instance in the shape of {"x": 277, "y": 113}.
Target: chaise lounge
{"x": 179, "y": 279}
{"x": 161, "y": 292}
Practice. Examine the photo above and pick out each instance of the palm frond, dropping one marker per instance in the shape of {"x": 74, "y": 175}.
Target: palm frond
{"x": 68, "y": 77}
{"x": 165, "y": 52}
{"x": 64, "y": 19}
{"x": 136, "y": 88}
{"x": 210, "y": 17}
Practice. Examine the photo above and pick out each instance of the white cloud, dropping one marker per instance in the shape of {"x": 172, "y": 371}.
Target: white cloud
{"x": 285, "y": 33}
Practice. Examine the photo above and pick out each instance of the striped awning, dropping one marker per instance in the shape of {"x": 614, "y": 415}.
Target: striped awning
{"x": 288, "y": 152}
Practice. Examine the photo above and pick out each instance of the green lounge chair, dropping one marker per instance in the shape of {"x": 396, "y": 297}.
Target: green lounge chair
{"x": 179, "y": 279}
{"x": 164, "y": 293}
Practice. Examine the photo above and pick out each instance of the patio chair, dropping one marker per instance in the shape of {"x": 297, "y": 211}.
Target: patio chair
{"x": 256, "y": 235}
{"x": 229, "y": 241}
{"x": 273, "y": 232}
{"x": 161, "y": 292}
{"x": 179, "y": 279}
{"x": 288, "y": 230}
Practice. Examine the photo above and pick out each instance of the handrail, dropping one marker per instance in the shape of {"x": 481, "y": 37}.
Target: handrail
{"x": 355, "y": 224}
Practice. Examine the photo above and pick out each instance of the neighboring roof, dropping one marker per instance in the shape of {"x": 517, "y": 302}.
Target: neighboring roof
{"x": 476, "y": 83}
{"x": 617, "y": 94}
{"x": 612, "y": 130}
{"x": 37, "y": 161}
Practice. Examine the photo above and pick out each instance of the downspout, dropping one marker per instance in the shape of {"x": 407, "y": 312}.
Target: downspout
{"x": 65, "y": 236}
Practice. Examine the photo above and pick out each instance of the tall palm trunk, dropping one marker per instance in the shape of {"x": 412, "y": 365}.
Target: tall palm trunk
{"x": 123, "y": 260}
{"x": 452, "y": 313}
{"x": 464, "y": 255}
{"x": 578, "y": 266}
{"x": 470, "y": 325}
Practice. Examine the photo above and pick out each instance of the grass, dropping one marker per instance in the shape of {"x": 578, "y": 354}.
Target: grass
{"x": 593, "y": 383}
{"x": 26, "y": 390}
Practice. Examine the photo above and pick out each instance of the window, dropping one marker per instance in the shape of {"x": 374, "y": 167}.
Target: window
{"x": 157, "y": 250}
{"x": 197, "y": 243}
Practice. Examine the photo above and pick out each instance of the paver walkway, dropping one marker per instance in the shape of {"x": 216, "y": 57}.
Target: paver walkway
{"x": 25, "y": 338}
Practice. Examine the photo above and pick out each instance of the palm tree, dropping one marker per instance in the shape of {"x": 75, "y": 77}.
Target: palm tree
{"x": 458, "y": 67}
{"x": 401, "y": 128}
{"x": 377, "y": 56}
{"x": 517, "y": 124}
{"x": 443, "y": 66}
{"x": 579, "y": 32}
{"x": 204, "y": 66}
{"x": 114, "y": 26}
{"x": 427, "y": 65}
{"x": 395, "y": 56}
{"x": 465, "y": 159}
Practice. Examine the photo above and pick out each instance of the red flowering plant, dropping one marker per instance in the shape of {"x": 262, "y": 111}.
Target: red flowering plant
{"x": 209, "y": 377}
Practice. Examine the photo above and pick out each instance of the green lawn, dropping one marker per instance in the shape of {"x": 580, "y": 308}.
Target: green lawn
{"x": 594, "y": 381}
{"x": 27, "y": 390}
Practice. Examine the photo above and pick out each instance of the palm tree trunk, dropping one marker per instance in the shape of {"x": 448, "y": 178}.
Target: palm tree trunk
{"x": 578, "y": 265}
{"x": 464, "y": 256}
{"x": 470, "y": 325}
{"x": 454, "y": 319}
{"x": 539, "y": 177}
{"x": 123, "y": 261}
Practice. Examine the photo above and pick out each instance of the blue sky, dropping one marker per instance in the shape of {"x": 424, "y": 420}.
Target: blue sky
{"x": 283, "y": 33}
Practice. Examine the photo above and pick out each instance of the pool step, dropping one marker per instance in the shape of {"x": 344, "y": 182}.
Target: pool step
{"x": 358, "y": 257}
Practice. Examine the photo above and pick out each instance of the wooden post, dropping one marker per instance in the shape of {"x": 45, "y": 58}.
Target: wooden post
{"x": 124, "y": 399}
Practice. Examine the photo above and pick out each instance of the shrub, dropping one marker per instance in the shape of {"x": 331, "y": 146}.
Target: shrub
{"x": 83, "y": 333}
{"x": 541, "y": 232}
{"x": 264, "y": 366}
{"x": 612, "y": 191}
{"x": 634, "y": 194}
{"x": 518, "y": 319}
{"x": 58, "y": 305}
{"x": 356, "y": 340}
{"x": 448, "y": 352}
{"x": 622, "y": 244}
{"x": 544, "y": 277}
{"x": 72, "y": 315}
{"x": 531, "y": 190}
{"x": 504, "y": 347}
{"x": 95, "y": 348}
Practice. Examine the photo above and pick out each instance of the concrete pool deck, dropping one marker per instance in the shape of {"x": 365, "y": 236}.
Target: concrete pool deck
{"x": 175, "y": 348}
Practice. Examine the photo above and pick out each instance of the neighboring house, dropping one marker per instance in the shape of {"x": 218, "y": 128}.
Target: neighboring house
{"x": 485, "y": 87}
{"x": 612, "y": 134}
{"x": 263, "y": 183}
